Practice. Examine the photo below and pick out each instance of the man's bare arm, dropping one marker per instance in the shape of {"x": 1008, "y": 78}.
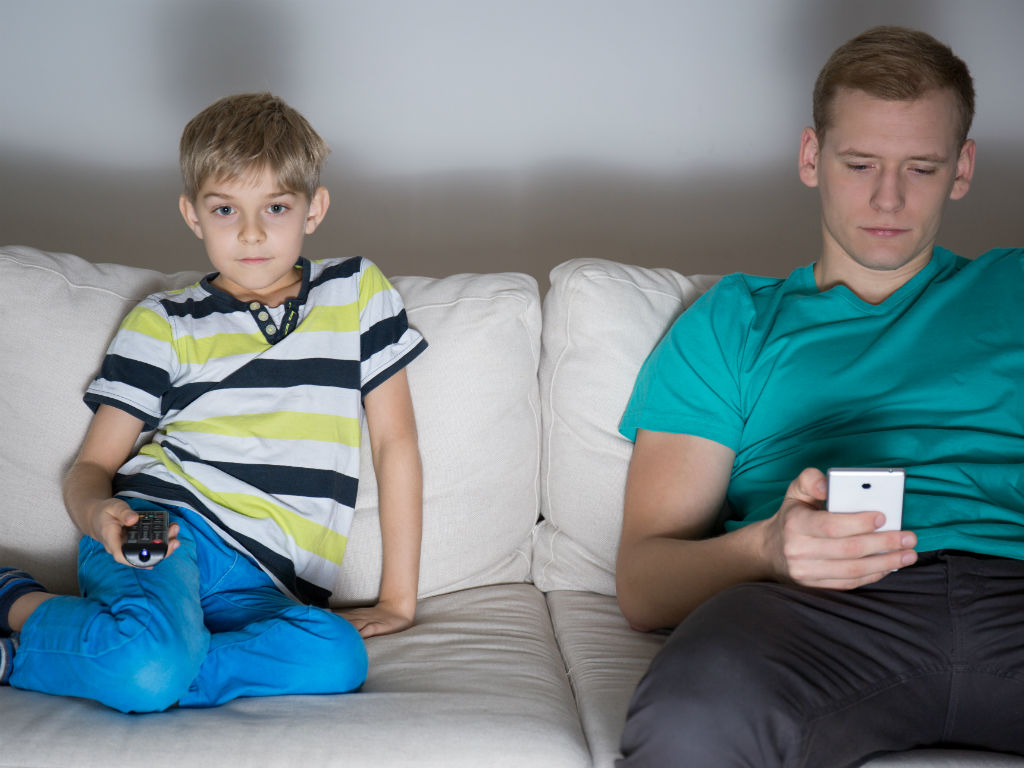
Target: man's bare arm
{"x": 674, "y": 491}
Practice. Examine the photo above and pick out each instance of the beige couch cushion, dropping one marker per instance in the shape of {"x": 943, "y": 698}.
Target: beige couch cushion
{"x": 605, "y": 660}
{"x": 59, "y": 315}
{"x": 477, "y": 682}
{"x": 601, "y": 319}
{"x": 474, "y": 390}
{"x": 478, "y": 415}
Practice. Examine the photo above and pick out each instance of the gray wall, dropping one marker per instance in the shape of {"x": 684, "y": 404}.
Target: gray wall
{"x": 477, "y": 135}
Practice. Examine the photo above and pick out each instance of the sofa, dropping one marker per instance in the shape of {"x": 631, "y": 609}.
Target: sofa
{"x": 519, "y": 655}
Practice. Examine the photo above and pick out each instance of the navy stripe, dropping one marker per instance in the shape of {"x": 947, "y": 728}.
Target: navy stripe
{"x": 214, "y": 304}
{"x": 264, "y": 373}
{"x": 344, "y": 269}
{"x": 382, "y": 335}
{"x": 151, "y": 379}
{"x": 94, "y": 401}
{"x": 283, "y": 481}
{"x": 278, "y": 565}
{"x": 394, "y": 368}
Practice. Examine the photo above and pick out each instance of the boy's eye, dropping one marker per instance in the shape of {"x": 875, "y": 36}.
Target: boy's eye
{"x": 223, "y": 210}
{"x": 277, "y": 208}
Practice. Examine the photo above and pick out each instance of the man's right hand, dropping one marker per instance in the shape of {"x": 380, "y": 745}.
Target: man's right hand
{"x": 809, "y": 546}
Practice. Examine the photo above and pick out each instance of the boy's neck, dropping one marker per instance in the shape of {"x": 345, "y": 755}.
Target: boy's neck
{"x": 273, "y": 296}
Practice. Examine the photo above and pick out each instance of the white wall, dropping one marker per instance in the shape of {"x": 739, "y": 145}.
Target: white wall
{"x": 477, "y": 135}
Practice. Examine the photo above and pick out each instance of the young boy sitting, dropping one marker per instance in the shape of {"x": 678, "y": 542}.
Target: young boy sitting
{"x": 256, "y": 380}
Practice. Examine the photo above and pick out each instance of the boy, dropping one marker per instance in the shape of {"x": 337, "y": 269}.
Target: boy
{"x": 255, "y": 380}
{"x": 804, "y": 637}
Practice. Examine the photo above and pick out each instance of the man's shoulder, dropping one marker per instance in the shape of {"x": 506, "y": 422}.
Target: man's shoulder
{"x": 739, "y": 291}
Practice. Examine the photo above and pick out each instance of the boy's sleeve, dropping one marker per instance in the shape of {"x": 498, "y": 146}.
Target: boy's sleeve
{"x": 136, "y": 371}
{"x": 690, "y": 382}
{"x": 387, "y": 343}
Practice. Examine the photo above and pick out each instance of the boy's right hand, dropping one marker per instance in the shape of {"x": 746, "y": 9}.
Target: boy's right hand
{"x": 111, "y": 517}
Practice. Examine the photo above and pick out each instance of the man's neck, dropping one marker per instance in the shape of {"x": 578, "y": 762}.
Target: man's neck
{"x": 870, "y": 285}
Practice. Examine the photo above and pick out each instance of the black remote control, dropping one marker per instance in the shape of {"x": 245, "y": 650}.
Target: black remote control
{"x": 145, "y": 543}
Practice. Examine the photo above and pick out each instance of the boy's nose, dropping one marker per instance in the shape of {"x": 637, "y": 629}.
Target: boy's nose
{"x": 251, "y": 234}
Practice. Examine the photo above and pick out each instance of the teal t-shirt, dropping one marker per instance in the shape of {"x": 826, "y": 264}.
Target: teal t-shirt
{"x": 789, "y": 377}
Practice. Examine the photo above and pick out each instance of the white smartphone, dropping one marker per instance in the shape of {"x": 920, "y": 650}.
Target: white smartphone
{"x": 868, "y": 490}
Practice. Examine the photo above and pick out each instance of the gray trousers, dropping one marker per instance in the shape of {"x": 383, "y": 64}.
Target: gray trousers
{"x": 778, "y": 675}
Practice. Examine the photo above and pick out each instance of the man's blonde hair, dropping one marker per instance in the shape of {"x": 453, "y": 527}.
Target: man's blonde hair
{"x": 897, "y": 64}
{"x": 248, "y": 133}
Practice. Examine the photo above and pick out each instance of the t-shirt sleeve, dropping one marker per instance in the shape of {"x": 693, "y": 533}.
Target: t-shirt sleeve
{"x": 387, "y": 343}
{"x": 136, "y": 371}
{"x": 690, "y": 383}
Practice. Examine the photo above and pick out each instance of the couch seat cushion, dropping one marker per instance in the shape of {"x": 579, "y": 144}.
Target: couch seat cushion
{"x": 478, "y": 681}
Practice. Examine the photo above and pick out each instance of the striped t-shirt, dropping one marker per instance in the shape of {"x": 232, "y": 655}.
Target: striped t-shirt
{"x": 258, "y": 410}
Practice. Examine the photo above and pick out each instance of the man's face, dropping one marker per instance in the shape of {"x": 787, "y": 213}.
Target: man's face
{"x": 885, "y": 171}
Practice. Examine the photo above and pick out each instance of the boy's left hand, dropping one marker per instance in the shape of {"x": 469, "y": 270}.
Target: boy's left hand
{"x": 379, "y": 619}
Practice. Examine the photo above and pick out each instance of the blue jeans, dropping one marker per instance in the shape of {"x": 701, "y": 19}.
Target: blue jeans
{"x": 204, "y": 626}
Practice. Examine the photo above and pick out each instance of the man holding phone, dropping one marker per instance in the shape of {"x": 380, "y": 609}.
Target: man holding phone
{"x": 795, "y": 643}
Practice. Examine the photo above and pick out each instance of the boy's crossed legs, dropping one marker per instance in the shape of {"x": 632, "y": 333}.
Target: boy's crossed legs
{"x": 201, "y": 628}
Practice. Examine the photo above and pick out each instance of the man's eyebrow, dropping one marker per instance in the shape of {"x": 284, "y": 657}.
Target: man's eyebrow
{"x": 926, "y": 158}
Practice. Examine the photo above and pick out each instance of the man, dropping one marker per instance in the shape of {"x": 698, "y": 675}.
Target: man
{"x": 805, "y": 637}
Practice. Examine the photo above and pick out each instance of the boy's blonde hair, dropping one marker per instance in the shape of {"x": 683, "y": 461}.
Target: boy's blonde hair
{"x": 248, "y": 133}
{"x": 897, "y": 64}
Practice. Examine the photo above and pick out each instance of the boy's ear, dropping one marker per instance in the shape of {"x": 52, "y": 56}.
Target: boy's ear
{"x": 317, "y": 209}
{"x": 809, "y": 155}
{"x": 188, "y": 213}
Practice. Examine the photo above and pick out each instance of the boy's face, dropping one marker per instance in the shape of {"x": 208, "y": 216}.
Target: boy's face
{"x": 253, "y": 231}
{"x": 885, "y": 171}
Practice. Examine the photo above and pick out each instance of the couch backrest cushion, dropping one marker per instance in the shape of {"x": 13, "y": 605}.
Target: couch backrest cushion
{"x": 478, "y": 414}
{"x": 59, "y": 313}
{"x": 474, "y": 390}
{"x": 601, "y": 319}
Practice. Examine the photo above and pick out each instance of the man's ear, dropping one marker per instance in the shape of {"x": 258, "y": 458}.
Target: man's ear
{"x": 188, "y": 213}
{"x": 317, "y": 209}
{"x": 809, "y": 155}
{"x": 964, "y": 170}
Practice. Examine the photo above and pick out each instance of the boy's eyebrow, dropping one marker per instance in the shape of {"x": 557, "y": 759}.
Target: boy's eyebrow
{"x": 226, "y": 196}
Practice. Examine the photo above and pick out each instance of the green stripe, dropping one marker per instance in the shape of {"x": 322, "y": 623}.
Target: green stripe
{"x": 371, "y": 283}
{"x": 336, "y": 319}
{"x": 279, "y": 425}
{"x": 148, "y": 323}
{"x": 191, "y": 350}
{"x": 308, "y": 535}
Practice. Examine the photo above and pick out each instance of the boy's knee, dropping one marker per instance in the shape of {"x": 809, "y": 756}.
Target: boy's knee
{"x": 343, "y": 662}
{"x": 153, "y": 670}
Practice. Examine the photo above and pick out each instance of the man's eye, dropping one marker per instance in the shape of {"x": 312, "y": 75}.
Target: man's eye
{"x": 857, "y": 166}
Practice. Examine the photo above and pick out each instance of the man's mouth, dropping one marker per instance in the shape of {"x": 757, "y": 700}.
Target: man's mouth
{"x": 885, "y": 231}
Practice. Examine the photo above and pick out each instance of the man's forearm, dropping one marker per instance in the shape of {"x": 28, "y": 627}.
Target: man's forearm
{"x": 660, "y": 580}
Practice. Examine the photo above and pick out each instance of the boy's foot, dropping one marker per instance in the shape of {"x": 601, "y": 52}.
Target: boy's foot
{"x": 8, "y": 645}
{"x": 13, "y": 584}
